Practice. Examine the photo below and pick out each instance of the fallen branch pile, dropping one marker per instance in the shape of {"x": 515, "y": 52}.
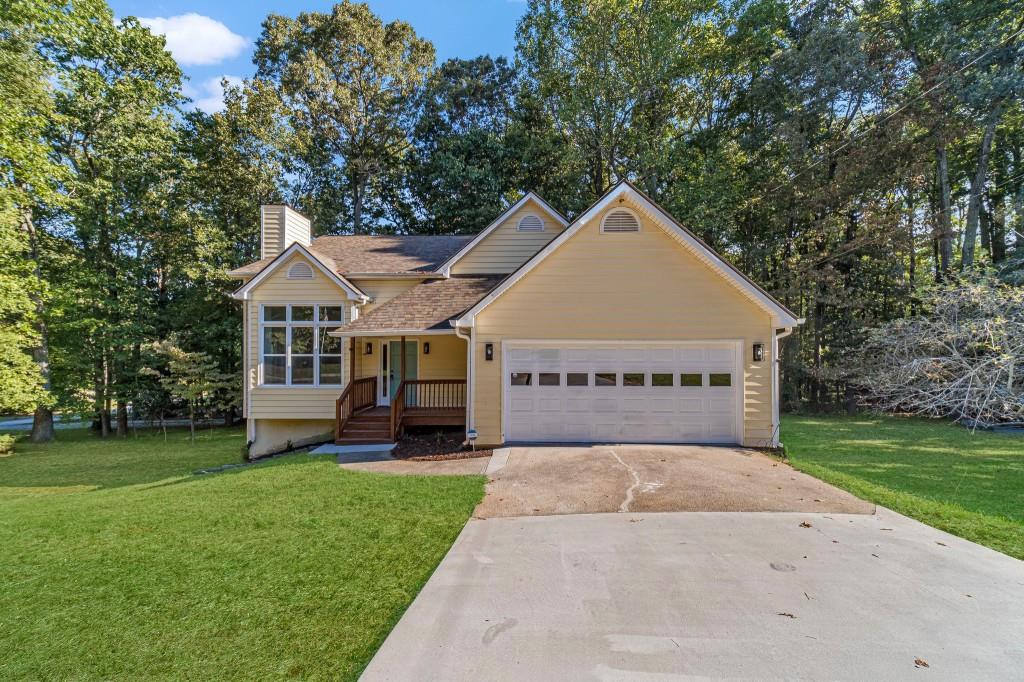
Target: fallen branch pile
{"x": 963, "y": 360}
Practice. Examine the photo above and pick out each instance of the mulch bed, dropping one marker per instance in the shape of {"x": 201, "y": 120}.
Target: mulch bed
{"x": 435, "y": 446}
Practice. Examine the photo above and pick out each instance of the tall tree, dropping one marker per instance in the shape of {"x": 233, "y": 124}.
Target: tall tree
{"x": 349, "y": 81}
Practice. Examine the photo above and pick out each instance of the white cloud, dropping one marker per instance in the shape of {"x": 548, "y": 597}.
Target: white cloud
{"x": 195, "y": 40}
{"x": 208, "y": 95}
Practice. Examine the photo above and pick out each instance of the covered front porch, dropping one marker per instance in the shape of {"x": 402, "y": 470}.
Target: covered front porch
{"x": 408, "y": 365}
{"x": 401, "y": 382}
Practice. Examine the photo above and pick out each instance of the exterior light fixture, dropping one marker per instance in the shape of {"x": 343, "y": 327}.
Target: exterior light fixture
{"x": 426, "y": 348}
{"x": 369, "y": 348}
{"x": 488, "y": 351}
{"x": 758, "y": 352}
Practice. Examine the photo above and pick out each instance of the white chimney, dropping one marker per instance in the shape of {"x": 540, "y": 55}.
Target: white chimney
{"x": 280, "y": 227}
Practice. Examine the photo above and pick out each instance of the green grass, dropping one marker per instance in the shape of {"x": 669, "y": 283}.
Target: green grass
{"x": 971, "y": 485}
{"x": 118, "y": 563}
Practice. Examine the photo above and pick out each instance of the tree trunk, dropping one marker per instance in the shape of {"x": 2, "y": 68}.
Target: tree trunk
{"x": 42, "y": 418}
{"x": 998, "y": 228}
{"x": 944, "y": 224}
{"x": 358, "y": 189}
{"x": 977, "y": 185}
{"x": 122, "y": 419}
{"x": 192, "y": 422}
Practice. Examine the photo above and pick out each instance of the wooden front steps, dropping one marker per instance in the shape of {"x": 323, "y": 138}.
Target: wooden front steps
{"x": 370, "y": 426}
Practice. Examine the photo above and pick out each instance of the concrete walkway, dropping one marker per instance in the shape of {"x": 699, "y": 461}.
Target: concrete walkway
{"x": 682, "y": 596}
{"x": 636, "y": 478}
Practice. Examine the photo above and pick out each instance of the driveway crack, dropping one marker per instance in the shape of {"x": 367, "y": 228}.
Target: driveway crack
{"x": 624, "y": 507}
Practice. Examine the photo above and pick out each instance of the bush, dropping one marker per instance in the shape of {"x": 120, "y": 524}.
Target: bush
{"x": 963, "y": 359}
{"x": 6, "y": 444}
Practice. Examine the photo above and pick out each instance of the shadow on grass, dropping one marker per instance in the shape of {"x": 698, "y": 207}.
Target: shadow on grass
{"x": 80, "y": 458}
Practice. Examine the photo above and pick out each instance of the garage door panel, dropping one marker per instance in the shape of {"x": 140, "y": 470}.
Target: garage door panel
{"x": 640, "y": 412}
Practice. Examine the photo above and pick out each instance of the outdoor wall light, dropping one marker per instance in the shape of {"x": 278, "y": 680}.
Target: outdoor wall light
{"x": 488, "y": 351}
{"x": 758, "y": 352}
{"x": 426, "y": 348}
{"x": 369, "y": 348}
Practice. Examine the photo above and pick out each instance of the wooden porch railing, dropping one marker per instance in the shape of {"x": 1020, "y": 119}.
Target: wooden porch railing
{"x": 358, "y": 395}
{"x": 426, "y": 397}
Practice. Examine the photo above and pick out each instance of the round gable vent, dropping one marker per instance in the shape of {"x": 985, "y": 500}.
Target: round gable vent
{"x": 620, "y": 220}
{"x": 300, "y": 270}
{"x": 530, "y": 223}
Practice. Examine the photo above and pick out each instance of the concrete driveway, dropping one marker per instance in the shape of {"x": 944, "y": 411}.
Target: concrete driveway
{"x": 637, "y": 478}
{"x": 682, "y": 596}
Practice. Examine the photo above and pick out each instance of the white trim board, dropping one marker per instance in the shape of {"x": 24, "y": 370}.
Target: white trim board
{"x": 446, "y": 267}
{"x": 353, "y": 292}
{"x": 781, "y": 317}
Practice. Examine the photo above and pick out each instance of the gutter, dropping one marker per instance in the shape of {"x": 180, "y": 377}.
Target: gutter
{"x": 776, "y": 388}
{"x": 470, "y": 343}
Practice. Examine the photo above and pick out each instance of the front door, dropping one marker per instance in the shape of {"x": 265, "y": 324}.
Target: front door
{"x": 391, "y": 367}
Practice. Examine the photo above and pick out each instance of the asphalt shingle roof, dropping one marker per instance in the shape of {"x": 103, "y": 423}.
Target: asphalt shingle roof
{"x": 427, "y": 306}
{"x": 390, "y": 254}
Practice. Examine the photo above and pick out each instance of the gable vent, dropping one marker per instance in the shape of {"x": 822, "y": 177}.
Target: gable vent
{"x": 300, "y": 270}
{"x": 530, "y": 223}
{"x": 620, "y": 220}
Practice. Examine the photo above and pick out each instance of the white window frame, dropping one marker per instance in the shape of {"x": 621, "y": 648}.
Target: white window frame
{"x": 288, "y": 324}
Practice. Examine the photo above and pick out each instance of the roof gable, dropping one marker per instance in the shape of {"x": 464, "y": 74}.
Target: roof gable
{"x": 320, "y": 262}
{"x": 446, "y": 267}
{"x": 624, "y": 191}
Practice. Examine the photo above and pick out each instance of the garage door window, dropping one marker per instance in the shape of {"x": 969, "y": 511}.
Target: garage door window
{"x": 691, "y": 380}
{"x": 604, "y": 379}
{"x": 720, "y": 379}
{"x": 632, "y": 379}
{"x": 521, "y": 378}
{"x": 577, "y": 379}
{"x": 661, "y": 380}
{"x": 549, "y": 379}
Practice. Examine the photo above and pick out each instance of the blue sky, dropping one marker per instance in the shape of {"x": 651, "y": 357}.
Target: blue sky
{"x": 211, "y": 40}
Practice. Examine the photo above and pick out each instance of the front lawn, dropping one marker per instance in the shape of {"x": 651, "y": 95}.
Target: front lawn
{"x": 117, "y": 562}
{"x": 971, "y": 485}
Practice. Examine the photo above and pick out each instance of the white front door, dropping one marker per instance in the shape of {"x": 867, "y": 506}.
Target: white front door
{"x": 623, "y": 393}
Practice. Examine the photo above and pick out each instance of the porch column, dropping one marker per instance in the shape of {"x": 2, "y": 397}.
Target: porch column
{"x": 402, "y": 366}
{"x": 353, "y": 344}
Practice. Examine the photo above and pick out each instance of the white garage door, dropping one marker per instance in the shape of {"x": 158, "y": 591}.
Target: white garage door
{"x": 682, "y": 393}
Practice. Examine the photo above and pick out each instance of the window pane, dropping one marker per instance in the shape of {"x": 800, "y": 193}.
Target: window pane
{"x": 661, "y": 380}
{"x": 329, "y": 345}
{"x": 330, "y": 370}
{"x": 577, "y": 379}
{"x": 720, "y": 380}
{"x": 632, "y": 379}
{"x": 549, "y": 379}
{"x": 690, "y": 380}
{"x": 274, "y": 313}
{"x": 274, "y": 340}
{"x": 273, "y": 370}
{"x": 302, "y": 313}
{"x": 330, "y": 313}
{"x": 302, "y": 369}
{"x": 521, "y": 378}
{"x": 302, "y": 340}
{"x": 604, "y": 379}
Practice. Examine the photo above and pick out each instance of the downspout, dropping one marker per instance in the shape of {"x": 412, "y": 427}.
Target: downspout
{"x": 776, "y": 388}
{"x": 469, "y": 339}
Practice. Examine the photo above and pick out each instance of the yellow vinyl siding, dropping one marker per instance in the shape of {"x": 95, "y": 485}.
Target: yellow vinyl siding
{"x": 505, "y": 249}
{"x": 282, "y": 227}
{"x": 623, "y": 286}
{"x": 382, "y": 290}
{"x": 288, "y": 402}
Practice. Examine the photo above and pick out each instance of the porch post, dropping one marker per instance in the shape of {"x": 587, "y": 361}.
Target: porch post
{"x": 353, "y": 343}
{"x": 403, "y": 359}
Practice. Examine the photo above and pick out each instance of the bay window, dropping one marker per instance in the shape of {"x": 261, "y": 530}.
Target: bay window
{"x": 295, "y": 349}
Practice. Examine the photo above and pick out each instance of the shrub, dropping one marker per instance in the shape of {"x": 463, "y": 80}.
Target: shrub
{"x": 6, "y": 444}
